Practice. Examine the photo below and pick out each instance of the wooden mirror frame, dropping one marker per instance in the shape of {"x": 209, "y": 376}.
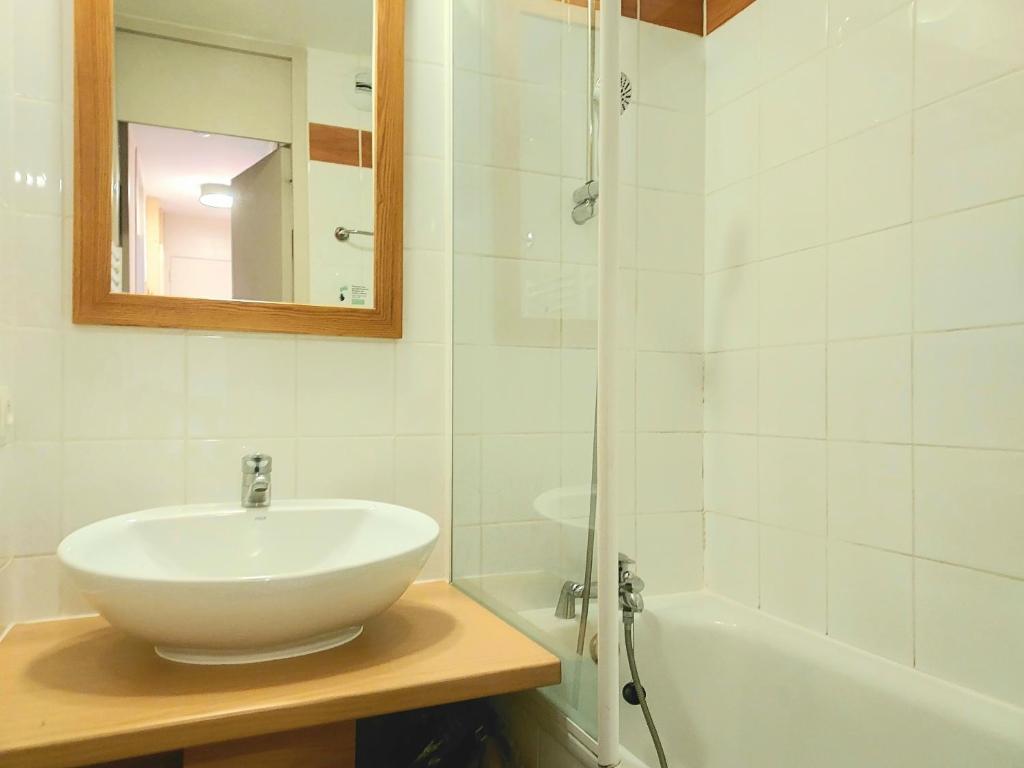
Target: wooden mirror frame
{"x": 95, "y": 304}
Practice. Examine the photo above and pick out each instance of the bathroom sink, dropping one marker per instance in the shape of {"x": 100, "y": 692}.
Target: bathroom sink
{"x": 223, "y": 584}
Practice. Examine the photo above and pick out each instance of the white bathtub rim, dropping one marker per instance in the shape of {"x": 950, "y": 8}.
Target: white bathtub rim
{"x": 998, "y": 717}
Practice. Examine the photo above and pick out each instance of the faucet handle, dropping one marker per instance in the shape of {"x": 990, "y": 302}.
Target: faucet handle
{"x": 256, "y": 464}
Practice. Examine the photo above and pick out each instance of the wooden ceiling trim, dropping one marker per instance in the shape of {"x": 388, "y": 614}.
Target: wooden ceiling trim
{"x": 720, "y": 11}
{"x": 683, "y": 15}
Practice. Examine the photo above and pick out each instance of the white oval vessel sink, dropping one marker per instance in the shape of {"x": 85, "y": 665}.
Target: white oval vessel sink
{"x": 219, "y": 584}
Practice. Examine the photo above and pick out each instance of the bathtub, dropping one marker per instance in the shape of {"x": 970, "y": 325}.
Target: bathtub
{"x": 731, "y": 687}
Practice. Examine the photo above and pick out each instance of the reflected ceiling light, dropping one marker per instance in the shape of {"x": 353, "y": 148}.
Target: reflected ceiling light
{"x": 216, "y": 195}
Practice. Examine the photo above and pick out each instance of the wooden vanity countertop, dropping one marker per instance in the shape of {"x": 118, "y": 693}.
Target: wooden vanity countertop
{"x": 77, "y": 691}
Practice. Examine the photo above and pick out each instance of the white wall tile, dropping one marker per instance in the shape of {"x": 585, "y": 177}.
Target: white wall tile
{"x": 424, "y": 111}
{"x": 516, "y": 473}
{"x": 670, "y": 67}
{"x": 847, "y": 16}
{"x": 124, "y": 384}
{"x": 520, "y": 125}
{"x": 425, "y": 33}
{"x": 240, "y": 386}
{"x": 34, "y": 186}
{"x": 967, "y": 268}
{"x": 668, "y": 472}
{"x": 793, "y": 113}
{"x": 869, "y": 180}
{"x": 959, "y": 45}
{"x": 793, "y": 208}
{"x": 734, "y": 57}
{"x": 466, "y": 480}
{"x": 681, "y": 170}
{"x": 870, "y": 494}
{"x": 869, "y": 390}
{"x": 520, "y": 387}
{"x": 36, "y": 380}
{"x": 732, "y": 559}
{"x": 730, "y": 475}
{"x": 791, "y": 391}
{"x": 793, "y": 298}
{"x": 345, "y": 389}
{"x": 869, "y": 285}
{"x": 519, "y": 45}
{"x": 730, "y": 392}
{"x": 983, "y": 369}
{"x": 669, "y": 231}
{"x": 37, "y": 35}
{"x": 969, "y": 150}
{"x": 871, "y": 75}
{"x": 730, "y": 308}
{"x": 35, "y": 582}
{"x": 870, "y": 600}
{"x": 466, "y": 552}
{"x": 792, "y": 483}
{"x": 670, "y": 551}
{"x": 424, "y": 208}
{"x": 669, "y": 392}
{"x": 345, "y": 467}
{"x": 732, "y": 235}
{"x": 791, "y": 32}
{"x": 669, "y": 312}
{"x": 732, "y": 145}
{"x": 533, "y": 233}
{"x": 970, "y": 629}
{"x": 146, "y": 474}
{"x": 420, "y": 407}
{"x": 519, "y": 547}
{"x": 34, "y": 254}
{"x": 424, "y": 297}
{"x": 31, "y": 500}
{"x": 793, "y": 576}
{"x": 968, "y": 508}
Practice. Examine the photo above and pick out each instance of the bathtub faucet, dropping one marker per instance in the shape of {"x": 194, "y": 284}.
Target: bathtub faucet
{"x": 567, "y": 597}
{"x": 631, "y": 587}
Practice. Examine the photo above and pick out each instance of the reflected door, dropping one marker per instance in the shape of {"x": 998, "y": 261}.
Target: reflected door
{"x": 261, "y": 230}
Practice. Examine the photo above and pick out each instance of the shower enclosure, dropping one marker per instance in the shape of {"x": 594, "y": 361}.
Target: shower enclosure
{"x": 527, "y": 310}
{"x": 525, "y": 321}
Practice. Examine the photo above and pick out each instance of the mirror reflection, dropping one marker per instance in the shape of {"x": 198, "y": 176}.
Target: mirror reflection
{"x": 244, "y": 150}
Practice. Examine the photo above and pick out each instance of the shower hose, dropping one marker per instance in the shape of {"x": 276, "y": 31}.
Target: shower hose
{"x": 627, "y": 621}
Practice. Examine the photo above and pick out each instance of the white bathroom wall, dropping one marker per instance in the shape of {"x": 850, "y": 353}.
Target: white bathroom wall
{"x": 864, "y": 326}
{"x": 526, "y": 300}
{"x": 111, "y": 420}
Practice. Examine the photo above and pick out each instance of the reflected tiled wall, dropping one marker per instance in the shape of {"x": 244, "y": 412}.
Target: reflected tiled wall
{"x": 864, "y": 326}
{"x": 113, "y": 420}
{"x": 526, "y": 296}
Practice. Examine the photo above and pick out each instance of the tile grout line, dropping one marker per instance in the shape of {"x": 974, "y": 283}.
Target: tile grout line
{"x": 913, "y": 340}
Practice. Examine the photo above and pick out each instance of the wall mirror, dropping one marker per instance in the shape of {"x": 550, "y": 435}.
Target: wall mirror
{"x": 238, "y": 165}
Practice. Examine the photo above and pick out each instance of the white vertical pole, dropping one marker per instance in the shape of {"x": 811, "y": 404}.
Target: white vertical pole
{"x": 607, "y": 426}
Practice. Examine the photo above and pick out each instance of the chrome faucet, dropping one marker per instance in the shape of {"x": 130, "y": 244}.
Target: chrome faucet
{"x": 256, "y": 480}
{"x": 631, "y": 587}
{"x": 571, "y": 592}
